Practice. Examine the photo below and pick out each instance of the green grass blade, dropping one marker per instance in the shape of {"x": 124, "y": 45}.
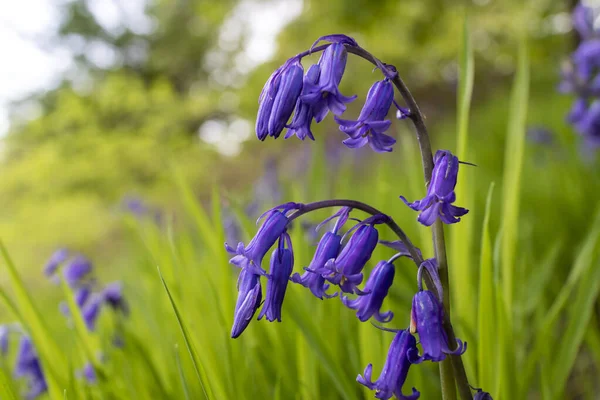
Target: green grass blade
{"x": 6, "y": 388}
{"x": 184, "y": 385}
{"x": 198, "y": 368}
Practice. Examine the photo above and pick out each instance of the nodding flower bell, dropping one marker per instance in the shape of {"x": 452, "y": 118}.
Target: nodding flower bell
{"x": 376, "y": 289}
{"x": 28, "y": 365}
{"x": 248, "y": 301}
{"x": 440, "y": 192}
{"x": 278, "y": 98}
{"x": 282, "y": 264}
{"x": 273, "y": 227}
{"x": 303, "y": 113}
{"x": 57, "y": 258}
{"x": 77, "y": 270}
{"x": 395, "y": 370}
{"x": 426, "y": 320}
{"x": 481, "y": 395}
{"x": 371, "y": 123}
{"x": 91, "y": 311}
{"x": 328, "y": 248}
{"x": 112, "y": 295}
{"x": 328, "y": 97}
{"x": 346, "y": 269}
{"x": 585, "y": 17}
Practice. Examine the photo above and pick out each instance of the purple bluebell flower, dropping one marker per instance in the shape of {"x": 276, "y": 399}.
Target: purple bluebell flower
{"x": 56, "y": 259}
{"x": 274, "y": 225}
{"x": 328, "y": 248}
{"x": 91, "y": 311}
{"x": 426, "y": 319}
{"x": 4, "y": 332}
{"x": 431, "y": 266}
{"x": 328, "y": 97}
{"x": 395, "y": 370}
{"x": 586, "y": 19}
{"x": 248, "y": 301}
{"x": 77, "y": 270}
{"x": 27, "y": 365}
{"x": 82, "y": 294}
{"x": 346, "y": 270}
{"x": 304, "y": 113}
{"x": 278, "y": 99}
{"x": 282, "y": 264}
{"x": 440, "y": 193}
{"x": 481, "y": 395}
{"x": 589, "y": 124}
{"x": 112, "y": 295}
{"x": 88, "y": 373}
{"x": 376, "y": 289}
{"x": 586, "y": 59}
{"x": 371, "y": 123}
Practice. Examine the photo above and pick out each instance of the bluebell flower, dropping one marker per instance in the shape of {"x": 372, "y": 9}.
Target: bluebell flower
{"x": 431, "y": 266}
{"x": 332, "y": 65}
{"x": 4, "y": 332}
{"x": 427, "y": 316}
{"x": 112, "y": 295}
{"x": 395, "y": 370}
{"x": 251, "y": 256}
{"x": 27, "y": 365}
{"x": 278, "y": 98}
{"x": 376, "y": 289}
{"x": 588, "y": 124}
{"x": 91, "y": 311}
{"x": 282, "y": 264}
{"x": 56, "y": 259}
{"x": 328, "y": 248}
{"x": 304, "y": 112}
{"x": 481, "y": 395}
{"x": 88, "y": 373}
{"x": 346, "y": 270}
{"x": 586, "y": 59}
{"x": 82, "y": 294}
{"x": 248, "y": 301}
{"x": 440, "y": 193}
{"x": 77, "y": 270}
{"x": 586, "y": 19}
{"x": 371, "y": 123}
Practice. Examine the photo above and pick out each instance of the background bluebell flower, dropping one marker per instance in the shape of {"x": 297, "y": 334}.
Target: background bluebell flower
{"x": 282, "y": 264}
{"x": 585, "y": 17}
{"x": 4, "y": 332}
{"x": 395, "y": 370}
{"x": 91, "y": 311}
{"x": 56, "y": 259}
{"x": 112, "y": 295}
{"x": 426, "y": 320}
{"x": 376, "y": 289}
{"x": 440, "y": 192}
{"x": 248, "y": 301}
{"x": 371, "y": 123}
{"x": 27, "y": 365}
{"x": 77, "y": 270}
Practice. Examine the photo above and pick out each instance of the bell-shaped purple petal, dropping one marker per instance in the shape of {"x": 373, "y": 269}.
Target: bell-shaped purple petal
{"x": 287, "y": 94}
{"x": 248, "y": 301}
{"x": 91, "y": 311}
{"x": 376, "y": 289}
{"x": 427, "y": 316}
{"x": 77, "y": 270}
{"x": 113, "y": 296}
{"x": 303, "y": 113}
{"x": 395, "y": 370}
{"x": 586, "y": 19}
{"x": 481, "y": 395}
{"x": 56, "y": 259}
{"x": 282, "y": 264}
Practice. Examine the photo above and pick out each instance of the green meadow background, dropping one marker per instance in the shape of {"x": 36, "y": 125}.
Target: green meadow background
{"x": 523, "y": 263}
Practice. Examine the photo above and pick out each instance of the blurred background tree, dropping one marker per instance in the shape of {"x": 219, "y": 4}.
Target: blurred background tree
{"x": 165, "y": 85}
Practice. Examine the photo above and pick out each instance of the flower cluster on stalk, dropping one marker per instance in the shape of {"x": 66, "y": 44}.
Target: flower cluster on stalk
{"x": 339, "y": 264}
{"x": 581, "y": 74}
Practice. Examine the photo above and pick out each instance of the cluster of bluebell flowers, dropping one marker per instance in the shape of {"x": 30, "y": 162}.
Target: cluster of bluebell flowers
{"x": 340, "y": 262}
{"x": 581, "y": 75}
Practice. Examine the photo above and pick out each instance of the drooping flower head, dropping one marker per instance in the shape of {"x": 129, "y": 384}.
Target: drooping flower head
{"x": 376, "y": 289}
{"x": 328, "y": 248}
{"x": 395, "y": 370}
{"x": 248, "y": 301}
{"x": 426, "y": 320}
{"x": 112, "y": 295}
{"x": 304, "y": 111}
{"x": 346, "y": 270}
{"x": 91, "y": 311}
{"x": 282, "y": 264}
{"x": 481, "y": 395}
{"x": 278, "y": 98}
{"x": 371, "y": 123}
{"x": 586, "y": 19}
{"x": 440, "y": 192}
{"x": 56, "y": 259}
{"x": 27, "y": 365}
{"x": 274, "y": 225}
{"x": 77, "y": 270}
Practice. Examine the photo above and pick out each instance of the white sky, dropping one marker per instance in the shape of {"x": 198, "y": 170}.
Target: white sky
{"x": 27, "y": 65}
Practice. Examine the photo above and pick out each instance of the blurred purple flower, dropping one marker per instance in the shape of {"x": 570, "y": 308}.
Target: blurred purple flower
{"x": 586, "y": 19}
{"x": 77, "y": 270}
{"x": 56, "y": 259}
{"x": 27, "y": 365}
{"x": 4, "y": 332}
{"x": 112, "y": 295}
{"x": 91, "y": 311}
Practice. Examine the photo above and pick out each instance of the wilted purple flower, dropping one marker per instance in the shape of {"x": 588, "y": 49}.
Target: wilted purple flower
{"x": 328, "y": 248}
{"x": 91, "y": 311}
{"x": 251, "y": 256}
{"x": 376, "y": 290}
{"x": 282, "y": 264}
{"x": 113, "y": 296}
{"x": 27, "y": 364}
{"x": 586, "y": 19}
{"x": 278, "y": 99}
{"x": 56, "y": 259}
{"x": 440, "y": 193}
{"x": 426, "y": 318}
{"x": 248, "y": 301}
{"x": 328, "y": 97}
{"x": 395, "y": 370}
{"x": 4, "y": 331}
{"x": 303, "y": 113}
{"x": 346, "y": 269}
{"x": 371, "y": 123}
{"x": 77, "y": 270}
